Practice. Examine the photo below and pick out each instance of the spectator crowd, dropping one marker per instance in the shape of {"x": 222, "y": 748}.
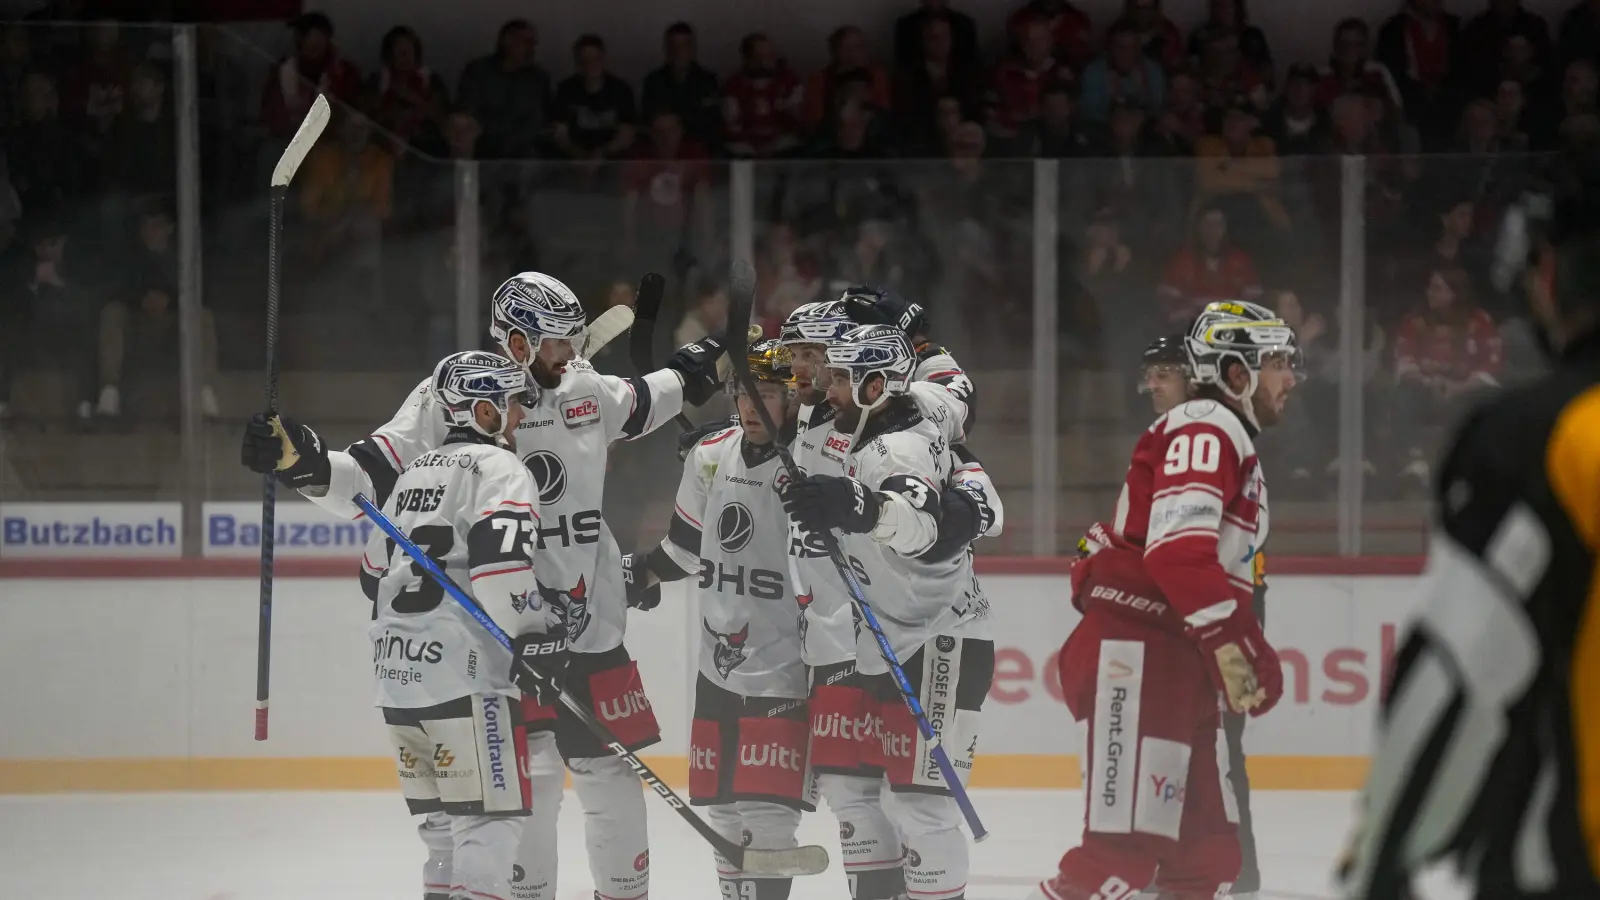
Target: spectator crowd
{"x": 1196, "y": 165}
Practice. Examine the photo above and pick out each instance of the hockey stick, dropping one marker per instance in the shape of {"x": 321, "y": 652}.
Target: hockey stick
{"x": 641, "y": 340}
{"x": 605, "y": 329}
{"x": 742, "y": 288}
{"x": 807, "y": 860}
{"x": 304, "y": 138}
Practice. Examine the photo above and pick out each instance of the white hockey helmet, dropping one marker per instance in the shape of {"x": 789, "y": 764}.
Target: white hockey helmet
{"x": 868, "y": 350}
{"x": 816, "y": 323}
{"x": 462, "y": 379}
{"x": 1248, "y": 333}
{"x": 537, "y": 306}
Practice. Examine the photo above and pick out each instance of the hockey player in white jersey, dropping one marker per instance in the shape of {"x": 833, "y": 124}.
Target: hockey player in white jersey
{"x": 877, "y": 474}
{"x": 868, "y": 305}
{"x": 747, "y": 744}
{"x": 840, "y": 712}
{"x": 446, "y": 688}
{"x": 563, "y": 441}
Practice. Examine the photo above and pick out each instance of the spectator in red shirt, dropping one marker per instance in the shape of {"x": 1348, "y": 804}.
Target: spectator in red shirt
{"x": 1162, "y": 39}
{"x": 1069, "y": 26}
{"x": 761, "y": 102}
{"x": 412, "y": 99}
{"x": 922, "y": 90}
{"x": 1232, "y": 17}
{"x": 1017, "y": 83}
{"x": 316, "y": 68}
{"x": 850, "y": 75}
{"x": 1421, "y": 45}
{"x": 1351, "y": 69}
{"x": 1210, "y": 268}
{"x": 1124, "y": 75}
{"x": 908, "y": 46}
{"x": 666, "y": 203}
{"x": 1445, "y": 355}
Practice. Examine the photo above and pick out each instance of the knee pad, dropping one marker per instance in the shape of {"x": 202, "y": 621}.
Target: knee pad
{"x": 435, "y": 833}
{"x": 868, "y": 842}
{"x": 483, "y": 854}
{"x": 614, "y": 825}
{"x": 937, "y": 858}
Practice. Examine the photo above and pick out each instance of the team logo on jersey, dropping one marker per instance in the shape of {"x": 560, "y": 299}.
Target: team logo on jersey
{"x": 735, "y": 527}
{"x": 729, "y": 652}
{"x": 520, "y": 602}
{"x": 574, "y": 605}
{"x": 550, "y": 474}
{"x": 582, "y": 411}
{"x": 836, "y": 447}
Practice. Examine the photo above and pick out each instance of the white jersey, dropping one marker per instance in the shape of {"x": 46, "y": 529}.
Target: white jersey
{"x": 907, "y": 460}
{"x": 749, "y": 620}
{"x": 473, "y": 508}
{"x": 563, "y": 441}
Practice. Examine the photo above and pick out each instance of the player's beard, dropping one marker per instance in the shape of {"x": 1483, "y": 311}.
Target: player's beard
{"x": 848, "y": 417}
{"x": 1267, "y": 415}
{"x": 543, "y": 376}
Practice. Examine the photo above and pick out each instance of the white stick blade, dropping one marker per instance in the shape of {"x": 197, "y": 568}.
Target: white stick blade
{"x": 305, "y": 137}
{"x": 606, "y": 328}
{"x": 798, "y": 862}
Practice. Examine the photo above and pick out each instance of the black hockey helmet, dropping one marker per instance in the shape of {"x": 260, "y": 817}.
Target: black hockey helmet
{"x": 1166, "y": 350}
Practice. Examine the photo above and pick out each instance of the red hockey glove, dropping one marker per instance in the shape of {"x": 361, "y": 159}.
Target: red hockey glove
{"x": 1244, "y": 667}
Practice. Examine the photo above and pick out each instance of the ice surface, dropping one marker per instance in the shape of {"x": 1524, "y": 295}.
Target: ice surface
{"x": 362, "y": 846}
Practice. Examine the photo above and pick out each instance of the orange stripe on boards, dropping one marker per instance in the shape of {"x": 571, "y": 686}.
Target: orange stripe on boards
{"x": 1033, "y": 772}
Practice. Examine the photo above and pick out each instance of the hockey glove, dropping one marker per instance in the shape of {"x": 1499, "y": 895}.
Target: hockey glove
{"x": 635, "y": 577}
{"x": 1243, "y": 666}
{"x": 697, "y": 363}
{"x": 688, "y": 439}
{"x": 821, "y": 502}
{"x": 282, "y": 445}
{"x": 546, "y": 652}
{"x": 964, "y": 515}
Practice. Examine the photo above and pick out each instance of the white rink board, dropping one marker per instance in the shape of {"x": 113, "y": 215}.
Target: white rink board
{"x": 158, "y": 668}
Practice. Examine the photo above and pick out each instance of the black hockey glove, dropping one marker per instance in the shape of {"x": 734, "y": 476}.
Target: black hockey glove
{"x": 546, "y": 652}
{"x": 963, "y": 517}
{"x": 821, "y": 502}
{"x": 284, "y": 446}
{"x": 875, "y": 306}
{"x": 634, "y": 577}
{"x": 688, "y": 439}
{"x": 697, "y": 363}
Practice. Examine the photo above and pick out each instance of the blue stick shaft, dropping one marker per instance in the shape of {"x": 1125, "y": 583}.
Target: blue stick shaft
{"x": 730, "y": 850}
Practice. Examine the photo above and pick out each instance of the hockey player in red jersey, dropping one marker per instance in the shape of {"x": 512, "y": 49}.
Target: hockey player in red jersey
{"x": 1167, "y": 627}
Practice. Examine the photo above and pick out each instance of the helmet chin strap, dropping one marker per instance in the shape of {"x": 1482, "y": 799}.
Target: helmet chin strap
{"x": 866, "y": 410}
{"x": 1246, "y": 401}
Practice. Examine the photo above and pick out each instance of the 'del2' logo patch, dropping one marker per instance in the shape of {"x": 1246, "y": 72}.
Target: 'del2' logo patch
{"x": 582, "y": 411}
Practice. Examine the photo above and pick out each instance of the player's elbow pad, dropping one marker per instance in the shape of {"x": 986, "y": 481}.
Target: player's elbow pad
{"x": 960, "y": 523}
{"x": 905, "y": 527}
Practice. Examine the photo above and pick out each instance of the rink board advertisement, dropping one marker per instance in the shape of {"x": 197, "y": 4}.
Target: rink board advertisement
{"x": 91, "y": 530}
{"x": 183, "y": 650}
{"x": 302, "y": 529}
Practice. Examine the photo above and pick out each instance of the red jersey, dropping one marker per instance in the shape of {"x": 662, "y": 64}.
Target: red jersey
{"x": 666, "y": 187}
{"x": 762, "y": 114}
{"x": 1193, "y": 279}
{"x": 1195, "y": 503}
{"x": 1016, "y": 90}
{"x": 1069, "y": 26}
{"x": 1469, "y": 349}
